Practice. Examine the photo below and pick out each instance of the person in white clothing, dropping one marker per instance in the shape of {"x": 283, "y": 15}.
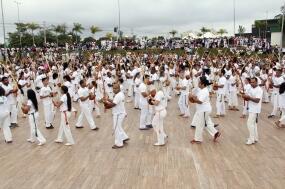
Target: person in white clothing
{"x": 32, "y": 108}
{"x": 254, "y": 98}
{"x": 144, "y": 106}
{"x": 160, "y": 102}
{"x": 281, "y": 122}
{"x": 65, "y": 108}
{"x": 220, "y": 101}
{"x": 203, "y": 111}
{"x": 246, "y": 87}
{"x": 4, "y": 116}
{"x": 183, "y": 104}
{"x": 46, "y": 95}
{"x": 84, "y": 95}
{"x": 137, "y": 82}
{"x": 11, "y": 94}
{"x": 119, "y": 114}
{"x": 277, "y": 80}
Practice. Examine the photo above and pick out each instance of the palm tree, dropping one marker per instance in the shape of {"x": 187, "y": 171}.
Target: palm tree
{"x": 109, "y": 35}
{"x": 222, "y": 32}
{"x": 77, "y": 28}
{"x": 94, "y": 30}
{"x": 173, "y": 33}
{"x": 59, "y": 29}
{"x": 204, "y": 30}
{"x": 241, "y": 30}
{"x": 33, "y": 26}
{"x": 259, "y": 24}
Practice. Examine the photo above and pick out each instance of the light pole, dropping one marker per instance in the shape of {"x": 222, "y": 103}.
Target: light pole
{"x": 4, "y": 32}
{"x": 119, "y": 12}
{"x": 282, "y": 30}
{"x": 234, "y": 6}
{"x": 19, "y": 3}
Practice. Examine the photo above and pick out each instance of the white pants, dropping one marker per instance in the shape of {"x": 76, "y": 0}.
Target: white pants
{"x": 183, "y": 105}
{"x": 5, "y": 125}
{"x": 265, "y": 96}
{"x": 49, "y": 114}
{"x": 13, "y": 113}
{"x": 145, "y": 117}
{"x": 120, "y": 134}
{"x": 274, "y": 101}
{"x": 173, "y": 85}
{"x": 64, "y": 128}
{"x": 220, "y": 105}
{"x": 85, "y": 111}
{"x": 245, "y": 107}
{"x": 35, "y": 132}
{"x": 252, "y": 127}
{"x": 137, "y": 99}
{"x": 203, "y": 121}
{"x": 130, "y": 90}
{"x": 157, "y": 123}
{"x": 233, "y": 100}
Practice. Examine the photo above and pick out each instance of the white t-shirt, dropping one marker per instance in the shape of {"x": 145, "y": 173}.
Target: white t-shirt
{"x": 222, "y": 81}
{"x": 4, "y": 106}
{"x": 282, "y": 101}
{"x": 45, "y": 91}
{"x": 184, "y": 83}
{"x": 83, "y": 92}
{"x": 203, "y": 96}
{"x": 63, "y": 106}
{"x": 119, "y": 100}
{"x": 22, "y": 83}
{"x": 255, "y": 93}
{"x": 32, "y": 107}
{"x": 162, "y": 101}
{"x": 277, "y": 81}
{"x": 143, "y": 89}
{"x": 11, "y": 98}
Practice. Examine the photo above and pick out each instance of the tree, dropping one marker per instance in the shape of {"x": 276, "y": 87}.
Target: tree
{"x": 260, "y": 24}
{"x": 222, "y": 32}
{"x": 204, "y": 30}
{"x": 33, "y": 26}
{"x": 94, "y": 30}
{"x": 241, "y": 30}
{"x": 77, "y": 28}
{"x": 173, "y": 33}
{"x": 109, "y": 35}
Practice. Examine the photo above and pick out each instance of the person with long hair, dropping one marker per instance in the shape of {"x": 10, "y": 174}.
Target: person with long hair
{"x": 203, "y": 111}
{"x": 65, "y": 108}
{"x": 5, "y": 116}
{"x": 32, "y": 108}
{"x": 281, "y": 122}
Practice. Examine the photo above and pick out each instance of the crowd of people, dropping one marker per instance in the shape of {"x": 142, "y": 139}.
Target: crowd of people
{"x": 149, "y": 81}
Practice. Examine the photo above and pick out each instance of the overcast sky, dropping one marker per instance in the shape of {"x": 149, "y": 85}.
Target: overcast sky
{"x": 142, "y": 17}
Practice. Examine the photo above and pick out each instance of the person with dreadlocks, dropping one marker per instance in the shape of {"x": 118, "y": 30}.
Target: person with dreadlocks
{"x": 31, "y": 107}
{"x": 65, "y": 108}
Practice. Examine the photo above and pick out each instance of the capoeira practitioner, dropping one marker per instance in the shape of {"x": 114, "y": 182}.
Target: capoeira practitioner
{"x": 220, "y": 102}
{"x": 94, "y": 103}
{"x": 277, "y": 80}
{"x": 84, "y": 95}
{"x": 247, "y": 87}
{"x": 65, "y": 107}
{"x": 183, "y": 104}
{"x": 137, "y": 82}
{"x": 11, "y": 94}
{"x": 264, "y": 78}
{"x": 233, "y": 99}
{"x": 23, "y": 86}
{"x": 254, "y": 98}
{"x": 281, "y": 122}
{"x": 159, "y": 101}
{"x": 108, "y": 85}
{"x": 46, "y": 95}
{"x": 32, "y": 109}
{"x": 144, "y": 106}
{"x": 119, "y": 114}
{"x": 5, "y": 116}
{"x": 203, "y": 111}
